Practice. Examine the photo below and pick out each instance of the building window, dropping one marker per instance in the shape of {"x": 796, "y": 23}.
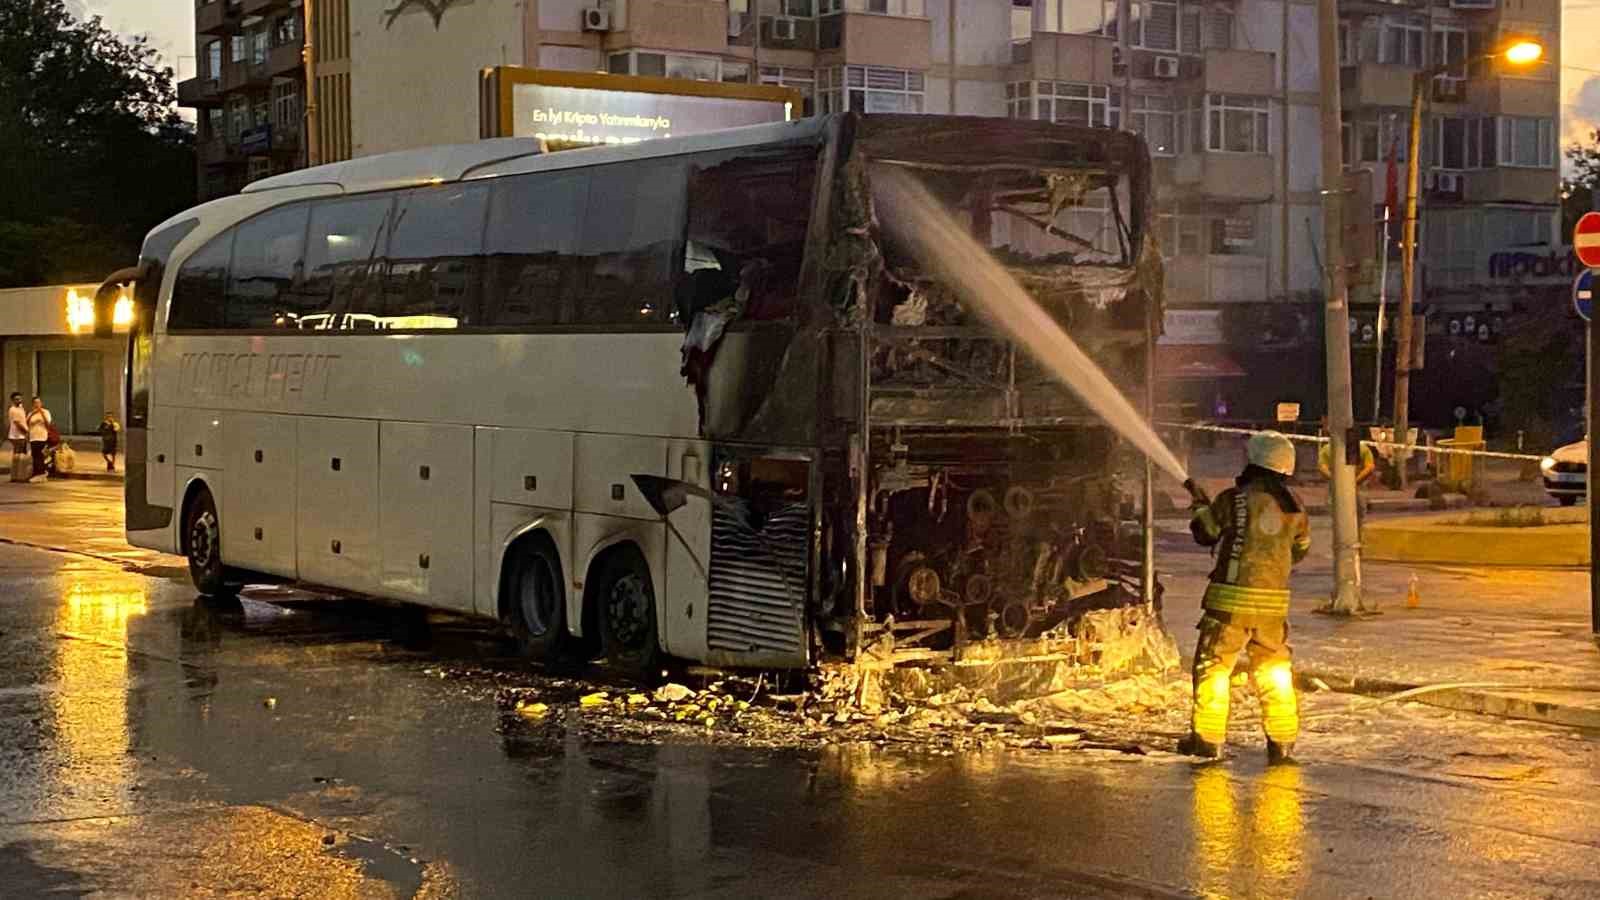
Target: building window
{"x": 258, "y": 46}
{"x": 1155, "y": 25}
{"x": 238, "y": 117}
{"x": 912, "y": 8}
{"x": 1154, "y": 118}
{"x": 802, "y": 80}
{"x": 1062, "y": 102}
{"x": 1457, "y": 143}
{"x": 286, "y": 30}
{"x": 667, "y": 65}
{"x": 286, "y": 107}
{"x": 261, "y": 111}
{"x": 1527, "y": 142}
{"x": 870, "y": 89}
{"x": 214, "y": 60}
{"x": 1450, "y": 49}
{"x": 1402, "y": 42}
{"x": 237, "y": 49}
{"x": 1237, "y": 124}
{"x": 216, "y": 125}
{"x": 1205, "y": 29}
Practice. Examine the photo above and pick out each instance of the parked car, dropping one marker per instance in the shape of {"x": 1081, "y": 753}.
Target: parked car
{"x": 1566, "y": 472}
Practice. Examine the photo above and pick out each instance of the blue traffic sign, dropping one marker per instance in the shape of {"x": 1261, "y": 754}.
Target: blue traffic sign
{"x": 1583, "y": 294}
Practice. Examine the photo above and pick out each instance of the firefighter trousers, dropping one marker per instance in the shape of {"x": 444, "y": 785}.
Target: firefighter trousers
{"x": 1266, "y": 640}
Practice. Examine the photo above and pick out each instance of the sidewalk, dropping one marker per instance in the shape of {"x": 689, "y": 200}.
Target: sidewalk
{"x": 91, "y": 465}
{"x": 1527, "y": 628}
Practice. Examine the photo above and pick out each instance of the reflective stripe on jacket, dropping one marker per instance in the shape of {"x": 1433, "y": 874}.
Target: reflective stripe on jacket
{"x": 1257, "y": 543}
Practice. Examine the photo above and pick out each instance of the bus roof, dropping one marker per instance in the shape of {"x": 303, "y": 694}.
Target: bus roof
{"x": 494, "y": 156}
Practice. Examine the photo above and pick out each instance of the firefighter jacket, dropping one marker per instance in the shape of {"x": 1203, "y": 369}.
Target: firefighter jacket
{"x": 1260, "y": 530}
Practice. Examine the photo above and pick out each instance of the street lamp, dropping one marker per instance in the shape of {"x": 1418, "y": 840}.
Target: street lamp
{"x": 1518, "y": 53}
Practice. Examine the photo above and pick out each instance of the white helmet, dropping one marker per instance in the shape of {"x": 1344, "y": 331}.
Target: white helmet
{"x": 1271, "y": 451}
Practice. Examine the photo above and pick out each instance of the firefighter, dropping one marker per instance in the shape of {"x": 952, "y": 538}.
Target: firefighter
{"x": 1259, "y": 529}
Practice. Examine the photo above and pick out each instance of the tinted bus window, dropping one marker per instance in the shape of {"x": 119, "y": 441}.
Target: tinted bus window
{"x": 266, "y": 261}
{"x": 633, "y": 239}
{"x": 435, "y": 266}
{"x": 197, "y": 294}
{"x": 346, "y": 239}
{"x": 534, "y": 272}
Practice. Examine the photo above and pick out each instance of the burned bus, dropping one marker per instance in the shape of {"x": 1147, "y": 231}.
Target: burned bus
{"x": 685, "y": 398}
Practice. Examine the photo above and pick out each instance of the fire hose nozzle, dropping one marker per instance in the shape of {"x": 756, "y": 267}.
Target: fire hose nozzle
{"x": 1196, "y": 492}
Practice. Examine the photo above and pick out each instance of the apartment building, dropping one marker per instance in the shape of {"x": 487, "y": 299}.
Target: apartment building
{"x": 247, "y": 91}
{"x": 1226, "y": 92}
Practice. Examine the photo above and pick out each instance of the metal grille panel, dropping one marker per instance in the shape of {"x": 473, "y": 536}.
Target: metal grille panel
{"x": 758, "y": 580}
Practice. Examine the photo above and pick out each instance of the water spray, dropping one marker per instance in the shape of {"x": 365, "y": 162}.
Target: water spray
{"x": 921, "y": 223}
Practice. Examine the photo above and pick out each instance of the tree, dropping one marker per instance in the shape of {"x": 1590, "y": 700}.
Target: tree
{"x": 93, "y": 150}
{"x": 1578, "y": 189}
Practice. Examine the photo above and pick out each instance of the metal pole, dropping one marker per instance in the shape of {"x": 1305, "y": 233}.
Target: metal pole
{"x": 1147, "y": 568}
{"x": 1383, "y": 305}
{"x": 1408, "y": 283}
{"x": 1593, "y": 497}
{"x": 1336, "y": 322}
{"x": 309, "y": 55}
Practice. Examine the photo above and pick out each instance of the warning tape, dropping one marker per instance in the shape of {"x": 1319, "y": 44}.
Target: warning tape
{"x": 1393, "y": 445}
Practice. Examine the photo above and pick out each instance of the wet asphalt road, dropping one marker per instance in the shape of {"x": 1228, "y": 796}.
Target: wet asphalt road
{"x": 153, "y": 747}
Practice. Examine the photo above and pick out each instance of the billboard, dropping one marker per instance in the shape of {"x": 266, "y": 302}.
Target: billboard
{"x": 582, "y": 109}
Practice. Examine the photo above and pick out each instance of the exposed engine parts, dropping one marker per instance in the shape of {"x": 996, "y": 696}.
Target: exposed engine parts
{"x": 1001, "y": 537}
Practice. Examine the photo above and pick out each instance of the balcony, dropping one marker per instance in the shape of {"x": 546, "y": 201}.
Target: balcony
{"x": 1513, "y": 96}
{"x": 234, "y": 76}
{"x": 873, "y": 39}
{"x": 220, "y": 17}
{"x": 1063, "y": 57}
{"x": 199, "y": 93}
{"x": 1375, "y": 84}
{"x": 690, "y": 26}
{"x": 1228, "y": 177}
{"x": 262, "y": 7}
{"x": 215, "y": 152}
{"x": 1507, "y": 184}
{"x": 1251, "y": 72}
{"x": 1217, "y": 278}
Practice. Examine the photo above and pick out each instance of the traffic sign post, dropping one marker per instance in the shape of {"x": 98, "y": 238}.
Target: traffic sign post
{"x": 1586, "y": 244}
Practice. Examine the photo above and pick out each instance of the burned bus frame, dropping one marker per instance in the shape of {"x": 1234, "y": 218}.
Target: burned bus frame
{"x": 809, "y": 437}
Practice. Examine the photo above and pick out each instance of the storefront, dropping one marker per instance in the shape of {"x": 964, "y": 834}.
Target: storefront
{"x": 47, "y": 349}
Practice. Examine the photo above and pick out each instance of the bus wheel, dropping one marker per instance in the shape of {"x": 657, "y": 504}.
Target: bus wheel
{"x": 202, "y": 544}
{"x": 628, "y": 614}
{"x": 537, "y": 607}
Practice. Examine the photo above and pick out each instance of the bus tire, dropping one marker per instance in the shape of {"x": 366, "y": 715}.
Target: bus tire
{"x": 535, "y": 606}
{"x": 627, "y": 613}
{"x": 202, "y": 546}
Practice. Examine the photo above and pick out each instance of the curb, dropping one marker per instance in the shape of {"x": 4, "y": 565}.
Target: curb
{"x": 1507, "y": 703}
{"x": 78, "y": 476}
{"x": 1438, "y": 541}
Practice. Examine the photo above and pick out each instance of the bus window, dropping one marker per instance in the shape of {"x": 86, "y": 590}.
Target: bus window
{"x": 748, "y": 218}
{"x": 633, "y": 239}
{"x": 266, "y": 259}
{"x": 345, "y": 240}
{"x": 197, "y": 294}
{"x": 435, "y": 266}
{"x": 534, "y": 272}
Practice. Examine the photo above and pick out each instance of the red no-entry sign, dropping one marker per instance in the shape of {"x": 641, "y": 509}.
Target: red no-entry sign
{"x": 1586, "y": 239}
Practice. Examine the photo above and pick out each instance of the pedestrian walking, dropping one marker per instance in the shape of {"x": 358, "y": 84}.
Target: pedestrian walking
{"x": 1260, "y": 530}
{"x": 110, "y": 431}
{"x": 17, "y": 434}
{"x": 40, "y": 427}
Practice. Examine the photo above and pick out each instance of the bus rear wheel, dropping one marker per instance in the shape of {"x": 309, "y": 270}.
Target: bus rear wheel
{"x": 537, "y": 607}
{"x": 628, "y": 615}
{"x": 202, "y": 545}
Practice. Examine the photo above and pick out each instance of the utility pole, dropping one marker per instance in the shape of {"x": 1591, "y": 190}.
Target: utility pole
{"x": 1346, "y": 597}
{"x": 309, "y": 55}
{"x": 1383, "y": 306}
{"x": 1408, "y": 282}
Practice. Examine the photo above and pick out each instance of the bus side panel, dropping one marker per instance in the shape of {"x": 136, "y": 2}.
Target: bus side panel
{"x": 425, "y": 513}
{"x": 601, "y": 475}
{"x": 530, "y": 469}
{"x": 683, "y": 607}
{"x": 336, "y": 540}
{"x": 200, "y": 439}
{"x": 260, "y": 462}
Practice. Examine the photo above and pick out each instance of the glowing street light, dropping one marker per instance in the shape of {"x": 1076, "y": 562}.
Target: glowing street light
{"x": 1524, "y": 53}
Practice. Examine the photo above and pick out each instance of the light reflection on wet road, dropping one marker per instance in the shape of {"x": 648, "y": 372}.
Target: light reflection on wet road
{"x": 152, "y": 747}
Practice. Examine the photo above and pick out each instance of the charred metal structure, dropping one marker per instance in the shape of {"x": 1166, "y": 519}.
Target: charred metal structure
{"x": 888, "y": 470}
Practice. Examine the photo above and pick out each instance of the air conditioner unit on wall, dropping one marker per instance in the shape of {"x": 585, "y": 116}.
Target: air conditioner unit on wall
{"x": 1165, "y": 67}
{"x": 596, "y": 18}
{"x": 1448, "y": 182}
{"x": 783, "y": 28}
